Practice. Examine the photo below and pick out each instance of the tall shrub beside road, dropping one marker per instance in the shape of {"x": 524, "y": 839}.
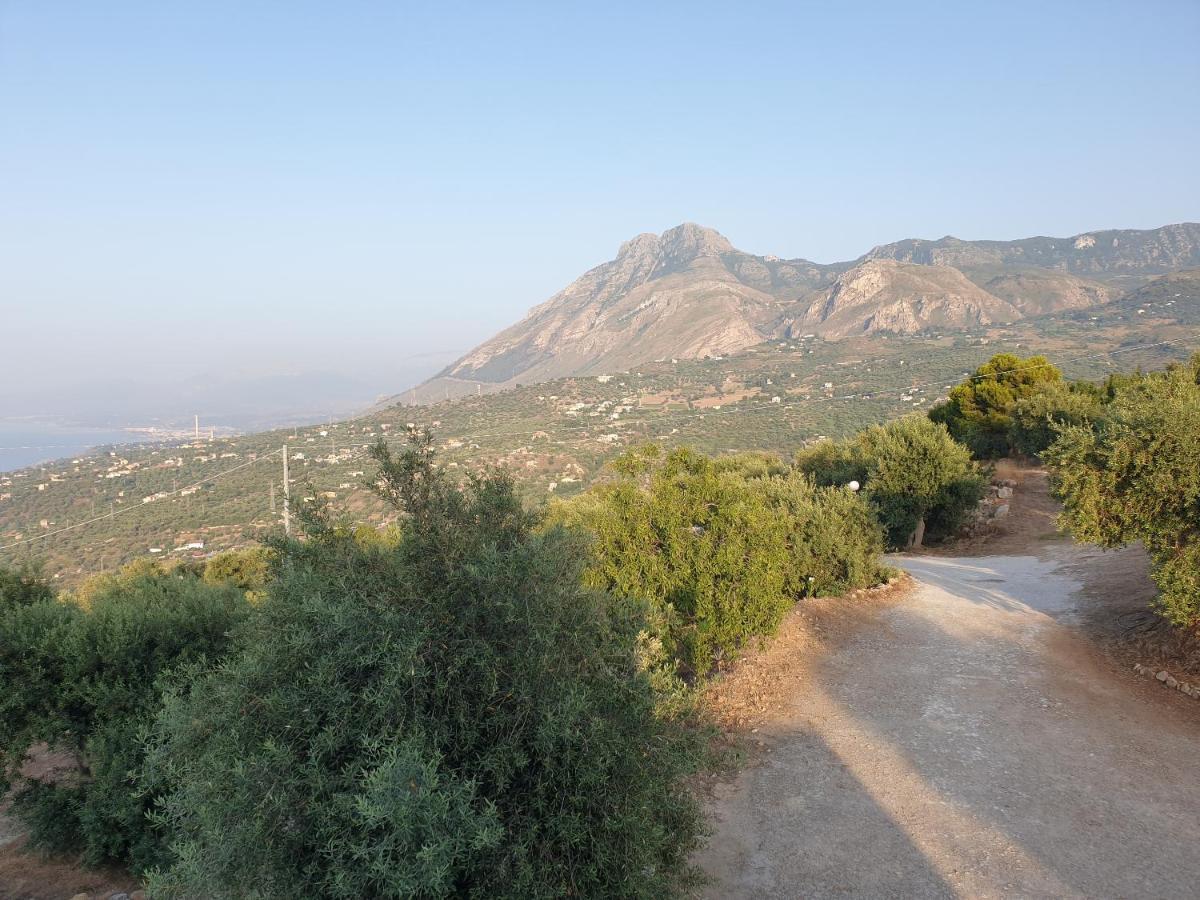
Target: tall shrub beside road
{"x": 452, "y": 714}
{"x": 720, "y": 549}
{"x": 916, "y": 477}
{"x": 1135, "y": 475}
{"x": 85, "y": 682}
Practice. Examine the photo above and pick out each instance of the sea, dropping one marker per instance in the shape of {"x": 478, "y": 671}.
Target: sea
{"x": 27, "y": 442}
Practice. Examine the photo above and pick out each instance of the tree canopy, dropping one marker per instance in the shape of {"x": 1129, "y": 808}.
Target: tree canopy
{"x": 914, "y": 474}
{"x": 978, "y": 412}
{"x": 1135, "y": 475}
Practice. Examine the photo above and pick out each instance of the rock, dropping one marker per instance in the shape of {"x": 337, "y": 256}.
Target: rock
{"x": 1171, "y": 682}
{"x": 1004, "y": 493}
{"x": 119, "y": 895}
{"x": 1162, "y": 675}
{"x": 80, "y": 897}
{"x": 1001, "y": 511}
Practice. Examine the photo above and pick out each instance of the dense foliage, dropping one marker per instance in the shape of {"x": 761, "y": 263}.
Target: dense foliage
{"x": 720, "y": 548}
{"x": 85, "y": 681}
{"x": 979, "y": 410}
{"x": 1037, "y": 418}
{"x": 1135, "y": 475}
{"x": 916, "y": 477}
{"x": 452, "y": 713}
{"x": 22, "y": 587}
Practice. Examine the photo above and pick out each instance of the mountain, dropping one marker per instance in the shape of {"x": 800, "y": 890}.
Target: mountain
{"x": 885, "y": 295}
{"x": 1095, "y": 254}
{"x": 689, "y": 293}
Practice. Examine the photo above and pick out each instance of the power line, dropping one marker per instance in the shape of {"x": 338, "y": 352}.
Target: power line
{"x": 116, "y": 512}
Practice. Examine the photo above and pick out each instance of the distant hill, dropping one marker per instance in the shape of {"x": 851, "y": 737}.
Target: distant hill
{"x": 689, "y": 294}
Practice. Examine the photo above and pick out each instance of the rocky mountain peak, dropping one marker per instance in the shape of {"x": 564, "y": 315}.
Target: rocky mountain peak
{"x": 645, "y": 244}
{"x": 676, "y": 246}
{"x": 689, "y": 241}
{"x": 688, "y": 292}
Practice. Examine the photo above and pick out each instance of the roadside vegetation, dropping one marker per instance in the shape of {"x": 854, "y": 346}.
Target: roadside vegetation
{"x": 720, "y": 549}
{"x": 919, "y": 481}
{"x": 494, "y": 699}
{"x": 1123, "y": 455}
{"x": 1133, "y": 474}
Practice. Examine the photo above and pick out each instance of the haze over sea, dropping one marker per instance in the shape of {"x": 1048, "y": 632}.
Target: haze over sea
{"x": 29, "y": 442}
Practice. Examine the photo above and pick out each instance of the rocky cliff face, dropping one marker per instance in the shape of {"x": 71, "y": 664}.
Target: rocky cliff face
{"x": 885, "y": 295}
{"x": 685, "y": 293}
{"x": 1096, "y": 254}
{"x": 688, "y": 293}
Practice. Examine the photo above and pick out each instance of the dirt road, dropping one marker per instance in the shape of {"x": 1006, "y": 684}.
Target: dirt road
{"x": 969, "y": 741}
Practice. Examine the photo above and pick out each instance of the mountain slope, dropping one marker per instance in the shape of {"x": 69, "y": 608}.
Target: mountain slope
{"x": 1097, "y": 254}
{"x": 885, "y": 295}
{"x": 689, "y": 293}
{"x": 685, "y": 293}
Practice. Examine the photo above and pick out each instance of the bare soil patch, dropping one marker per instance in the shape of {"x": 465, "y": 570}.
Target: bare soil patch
{"x": 28, "y": 874}
{"x": 759, "y": 686}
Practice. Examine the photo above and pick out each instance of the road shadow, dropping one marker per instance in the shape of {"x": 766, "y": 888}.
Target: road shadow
{"x": 801, "y": 823}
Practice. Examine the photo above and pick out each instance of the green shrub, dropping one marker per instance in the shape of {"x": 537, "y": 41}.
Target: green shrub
{"x": 22, "y": 587}
{"x": 917, "y": 478}
{"x": 1037, "y": 418}
{"x": 1135, "y": 475}
{"x": 452, "y": 714}
{"x": 720, "y": 551}
{"x": 86, "y": 683}
{"x": 978, "y": 412}
{"x": 249, "y": 568}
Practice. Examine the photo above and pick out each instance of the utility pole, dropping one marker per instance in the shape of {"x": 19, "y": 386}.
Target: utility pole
{"x": 196, "y": 432}
{"x": 272, "y": 499}
{"x": 287, "y": 494}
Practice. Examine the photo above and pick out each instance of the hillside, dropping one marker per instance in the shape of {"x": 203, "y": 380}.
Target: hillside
{"x": 1101, "y": 255}
{"x": 685, "y": 293}
{"x": 902, "y": 298}
{"x": 555, "y": 437}
{"x": 689, "y": 294}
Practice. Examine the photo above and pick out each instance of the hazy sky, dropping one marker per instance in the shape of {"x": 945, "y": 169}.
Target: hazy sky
{"x": 270, "y": 187}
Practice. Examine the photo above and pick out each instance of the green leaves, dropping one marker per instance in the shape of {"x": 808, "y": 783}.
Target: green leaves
{"x": 454, "y": 713}
{"x": 978, "y": 412}
{"x": 910, "y": 470}
{"x": 1135, "y": 475}
{"x": 86, "y": 682}
{"x": 719, "y": 549}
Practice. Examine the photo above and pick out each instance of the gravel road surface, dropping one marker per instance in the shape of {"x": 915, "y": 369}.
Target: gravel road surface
{"x": 969, "y": 741}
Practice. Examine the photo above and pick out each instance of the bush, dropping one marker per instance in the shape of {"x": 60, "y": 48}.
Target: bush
{"x": 248, "y": 568}
{"x": 1038, "y": 418}
{"x": 721, "y": 550}
{"x": 452, "y": 714}
{"x": 919, "y": 481}
{"x": 86, "y": 683}
{"x": 1135, "y": 475}
{"x": 978, "y": 412}
{"x": 22, "y": 587}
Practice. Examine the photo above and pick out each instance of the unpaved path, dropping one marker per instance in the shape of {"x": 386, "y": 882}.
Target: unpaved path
{"x": 969, "y": 741}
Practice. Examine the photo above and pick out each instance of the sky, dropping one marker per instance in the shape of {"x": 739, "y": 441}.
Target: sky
{"x": 218, "y": 190}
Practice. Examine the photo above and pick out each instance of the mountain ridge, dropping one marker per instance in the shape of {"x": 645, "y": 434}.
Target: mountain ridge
{"x": 689, "y": 292}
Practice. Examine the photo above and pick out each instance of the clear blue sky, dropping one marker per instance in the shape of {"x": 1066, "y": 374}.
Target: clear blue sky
{"x": 235, "y": 185}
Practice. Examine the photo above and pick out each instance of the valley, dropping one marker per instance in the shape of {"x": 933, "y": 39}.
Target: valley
{"x": 555, "y": 437}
